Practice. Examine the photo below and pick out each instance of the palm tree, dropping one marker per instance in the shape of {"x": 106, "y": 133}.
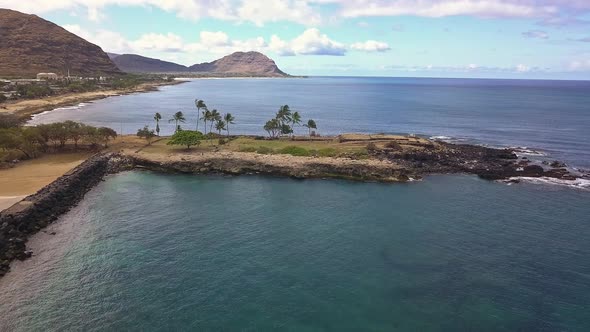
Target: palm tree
{"x": 158, "y": 117}
{"x": 215, "y": 116}
{"x": 229, "y": 119}
{"x": 284, "y": 117}
{"x": 295, "y": 120}
{"x": 220, "y": 125}
{"x": 199, "y": 104}
{"x": 178, "y": 117}
{"x": 310, "y": 125}
{"x": 206, "y": 116}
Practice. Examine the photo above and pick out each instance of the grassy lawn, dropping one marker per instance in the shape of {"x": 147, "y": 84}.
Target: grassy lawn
{"x": 323, "y": 148}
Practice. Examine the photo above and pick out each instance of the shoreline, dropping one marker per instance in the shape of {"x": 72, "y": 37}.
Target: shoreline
{"x": 27, "y": 108}
{"x": 417, "y": 159}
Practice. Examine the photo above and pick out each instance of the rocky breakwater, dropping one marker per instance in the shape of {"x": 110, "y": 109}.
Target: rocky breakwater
{"x": 236, "y": 163}
{"x": 487, "y": 163}
{"x": 35, "y": 212}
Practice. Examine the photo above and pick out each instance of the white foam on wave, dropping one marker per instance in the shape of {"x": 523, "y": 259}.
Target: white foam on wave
{"x": 525, "y": 151}
{"x": 441, "y": 138}
{"x": 64, "y": 108}
{"x": 583, "y": 184}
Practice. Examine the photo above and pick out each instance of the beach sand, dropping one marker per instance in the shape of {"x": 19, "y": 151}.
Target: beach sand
{"x": 28, "y": 107}
{"x": 31, "y": 175}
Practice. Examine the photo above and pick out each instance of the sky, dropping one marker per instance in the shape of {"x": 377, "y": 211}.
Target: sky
{"x": 525, "y": 39}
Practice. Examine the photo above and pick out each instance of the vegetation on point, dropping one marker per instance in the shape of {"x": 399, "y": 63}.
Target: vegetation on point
{"x": 284, "y": 123}
{"x": 177, "y": 118}
{"x": 147, "y": 134}
{"x": 30, "y": 142}
{"x": 186, "y": 138}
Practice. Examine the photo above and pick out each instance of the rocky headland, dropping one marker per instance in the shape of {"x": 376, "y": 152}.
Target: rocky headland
{"x": 390, "y": 159}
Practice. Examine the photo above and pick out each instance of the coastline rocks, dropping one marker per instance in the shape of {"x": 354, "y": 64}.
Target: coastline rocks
{"x": 487, "y": 163}
{"x": 238, "y": 166}
{"x": 33, "y": 213}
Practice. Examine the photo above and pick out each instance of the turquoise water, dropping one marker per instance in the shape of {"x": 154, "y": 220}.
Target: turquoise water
{"x": 552, "y": 117}
{"x": 152, "y": 252}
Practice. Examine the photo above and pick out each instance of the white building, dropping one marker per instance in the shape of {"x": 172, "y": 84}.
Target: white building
{"x": 47, "y": 76}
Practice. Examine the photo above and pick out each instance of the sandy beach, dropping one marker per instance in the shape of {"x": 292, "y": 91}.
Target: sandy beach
{"x": 31, "y": 175}
{"x": 28, "y": 107}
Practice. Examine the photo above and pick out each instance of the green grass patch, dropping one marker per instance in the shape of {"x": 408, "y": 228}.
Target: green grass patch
{"x": 264, "y": 150}
{"x": 247, "y": 149}
{"x": 295, "y": 151}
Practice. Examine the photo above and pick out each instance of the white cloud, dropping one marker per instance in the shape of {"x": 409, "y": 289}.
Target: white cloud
{"x": 520, "y": 68}
{"x": 280, "y": 46}
{"x": 258, "y": 12}
{"x": 470, "y": 68}
{"x": 535, "y": 34}
{"x": 158, "y": 42}
{"x": 580, "y": 65}
{"x": 441, "y": 8}
{"x": 310, "y": 42}
{"x": 308, "y": 12}
{"x": 211, "y": 39}
{"x": 109, "y": 41}
{"x": 261, "y": 11}
{"x": 371, "y": 46}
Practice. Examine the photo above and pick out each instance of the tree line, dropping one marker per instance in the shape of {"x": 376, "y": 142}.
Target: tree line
{"x": 30, "y": 141}
{"x": 285, "y": 121}
{"x": 211, "y": 118}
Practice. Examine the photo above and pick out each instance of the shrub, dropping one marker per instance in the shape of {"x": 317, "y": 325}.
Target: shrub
{"x": 327, "y": 152}
{"x": 371, "y": 147}
{"x": 147, "y": 134}
{"x": 264, "y": 150}
{"x": 222, "y": 141}
{"x": 393, "y": 145}
{"x": 9, "y": 120}
{"x": 295, "y": 151}
{"x": 187, "y": 138}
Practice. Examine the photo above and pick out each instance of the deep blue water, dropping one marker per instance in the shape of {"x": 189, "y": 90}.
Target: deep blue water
{"x": 551, "y": 116}
{"x": 150, "y": 252}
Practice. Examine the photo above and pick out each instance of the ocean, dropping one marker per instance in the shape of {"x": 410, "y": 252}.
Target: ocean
{"x": 544, "y": 117}
{"x": 153, "y": 252}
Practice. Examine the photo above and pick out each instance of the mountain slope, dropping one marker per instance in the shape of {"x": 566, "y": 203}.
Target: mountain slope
{"x": 30, "y": 44}
{"x": 242, "y": 63}
{"x": 133, "y": 63}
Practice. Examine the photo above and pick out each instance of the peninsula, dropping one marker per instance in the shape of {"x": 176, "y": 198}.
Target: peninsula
{"x": 383, "y": 158}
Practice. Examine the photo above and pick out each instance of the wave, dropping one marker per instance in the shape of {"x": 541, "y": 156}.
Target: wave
{"x": 440, "y": 138}
{"x": 583, "y": 184}
{"x": 525, "y": 151}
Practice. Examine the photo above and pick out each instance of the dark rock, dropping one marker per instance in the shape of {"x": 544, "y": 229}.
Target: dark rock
{"x": 557, "y": 164}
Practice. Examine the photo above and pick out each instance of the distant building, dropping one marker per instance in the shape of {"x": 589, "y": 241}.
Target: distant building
{"x": 47, "y": 76}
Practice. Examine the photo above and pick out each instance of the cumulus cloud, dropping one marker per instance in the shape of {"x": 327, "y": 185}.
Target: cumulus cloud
{"x": 310, "y": 42}
{"x": 158, "y": 42}
{"x": 371, "y": 46}
{"x": 535, "y": 34}
{"x": 258, "y": 12}
{"x": 309, "y": 12}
